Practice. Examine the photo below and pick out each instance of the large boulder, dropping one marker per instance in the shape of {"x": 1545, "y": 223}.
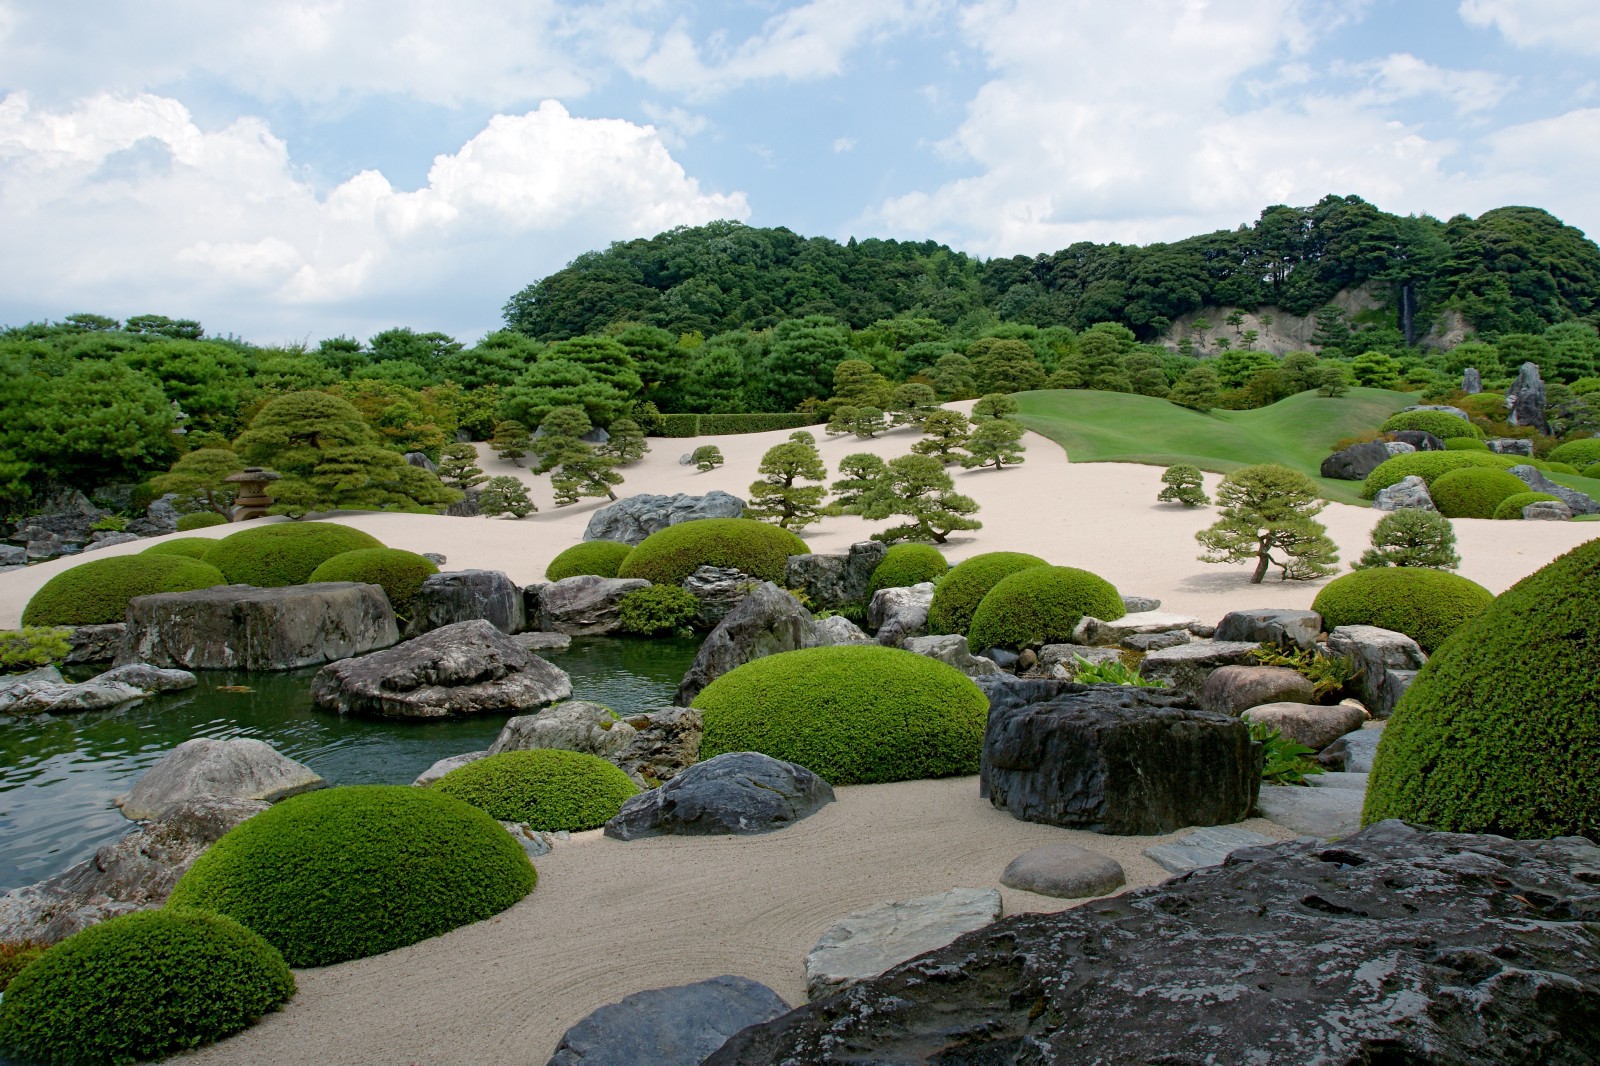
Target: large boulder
{"x": 898, "y": 613}
{"x": 1312, "y": 724}
{"x": 465, "y": 668}
{"x": 1510, "y": 446}
{"x": 1186, "y": 667}
{"x": 239, "y": 627}
{"x": 1419, "y": 439}
{"x": 951, "y": 648}
{"x": 767, "y": 621}
{"x": 1355, "y": 462}
{"x": 1385, "y": 661}
{"x": 575, "y": 725}
{"x": 38, "y": 693}
{"x": 463, "y": 595}
{"x": 1471, "y": 381}
{"x": 738, "y": 792}
{"x": 864, "y": 944}
{"x": 1061, "y": 660}
{"x": 1578, "y": 502}
{"x": 1525, "y": 399}
{"x": 1547, "y": 511}
{"x": 632, "y": 519}
{"x": 676, "y": 1026}
{"x": 837, "y": 629}
{"x": 1234, "y": 689}
{"x": 665, "y": 744}
{"x": 832, "y": 581}
{"x": 96, "y": 644}
{"x": 1271, "y": 625}
{"x": 204, "y": 771}
{"x": 718, "y": 589}
{"x": 585, "y": 606}
{"x": 1408, "y": 492}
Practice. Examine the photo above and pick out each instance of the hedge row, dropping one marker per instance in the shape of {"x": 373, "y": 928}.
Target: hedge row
{"x": 680, "y": 425}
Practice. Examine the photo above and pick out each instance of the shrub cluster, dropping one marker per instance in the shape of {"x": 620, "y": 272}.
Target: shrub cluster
{"x": 906, "y": 565}
{"x": 1426, "y": 605}
{"x": 399, "y": 573}
{"x": 1428, "y": 466}
{"x": 1412, "y": 537}
{"x": 1582, "y": 452}
{"x": 15, "y": 956}
{"x": 1474, "y": 493}
{"x": 200, "y": 520}
{"x": 1041, "y": 605}
{"x": 600, "y": 558}
{"x": 1465, "y": 444}
{"x": 283, "y": 554}
{"x": 1441, "y": 424}
{"x": 188, "y": 547}
{"x": 1511, "y": 507}
{"x": 98, "y": 591}
{"x": 546, "y": 788}
{"x": 26, "y": 649}
{"x": 657, "y": 609}
{"x": 669, "y": 555}
{"x": 967, "y": 583}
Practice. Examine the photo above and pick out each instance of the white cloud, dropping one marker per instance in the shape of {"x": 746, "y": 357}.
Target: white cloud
{"x": 843, "y": 144}
{"x": 1562, "y": 25}
{"x": 1402, "y": 75}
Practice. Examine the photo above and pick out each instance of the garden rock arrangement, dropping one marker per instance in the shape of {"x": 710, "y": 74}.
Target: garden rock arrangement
{"x": 676, "y": 1026}
{"x": 1330, "y": 808}
{"x": 1577, "y": 502}
{"x": 463, "y": 595}
{"x": 831, "y": 581}
{"x": 45, "y": 691}
{"x": 1271, "y": 626}
{"x": 587, "y": 605}
{"x": 899, "y": 613}
{"x": 718, "y": 589}
{"x": 767, "y": 621}
{"x": 1232, "y": 690}
{"x": 634, "y": 518}
{"x": 574, "y": 725}
{"x": 952, "y": 649}
{"x": 735, "y": 793}
{"x": 864, "y": 944}
{"x": 1064, "y": 871}
{"x": 1385, "y": 662}
{"x": 205, "y": 771}
{"x": 96, "y": 644}
{"x": 1311, "y": 724}
{"x": 1408, "y": 492}
{"x": 1186, "y": 667}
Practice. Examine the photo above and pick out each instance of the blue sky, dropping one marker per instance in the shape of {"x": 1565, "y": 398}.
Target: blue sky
{"x": 294, "y": 170}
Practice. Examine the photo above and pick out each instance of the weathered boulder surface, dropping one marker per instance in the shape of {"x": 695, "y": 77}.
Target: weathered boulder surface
{"x": 1064, "y": 871}
{"x": 676, "y": 1026}
{"x": 1378, "y": 654}
{"x": 1420, "y": 440}
{"x": 1061, "y": 660}
{"x": 1234, "y": 689}
{"x": 895, "y": 614}
{"x": 1149, "y": 642}
{"x": 1510, "y": 446}
{"x": 664, "y": 745}
{"x": 1578, "y": 502}
{"x": 587, "y": 605}
{"x": 1311, "y": 724}
{"x": 766, "y": 622}
{"x": 203, "y": 771}
{"x": 1186, "y": 667}
{"x": 38, "y": 692}
{"x": 537, "y": 641}
{"x": 1208, "y": 846}
{"x": 1271, "y": 625}
{"x": 102, "y": 539}
{"x": 864, "y": 944}
{"x": 574, "y": 725}
{"x": 96, "y": 644}
{"x": 831, "y": 581}
{"x": 1353, "y": 752}
{"x": 1329, "y": 808}
{"x": 445, "y": 765}
{"x": 1355, "y": 462}
{"x": 1471, "y": 381}
{"x": 837, "y": 629}
{"x": 1408, "y": 492}
{"x": 719, "y": 590}
{"x": 1097, "y": 633}
{"x": 1525, "y": 399}
{"x": 1394, "y": 945}
{"x": 463, "y": 595}
{"x": 738, "y": 792}
{"x": 634, "y": 518}
{"x": 951, "y": 649}
{"x": 1547, "y": 511}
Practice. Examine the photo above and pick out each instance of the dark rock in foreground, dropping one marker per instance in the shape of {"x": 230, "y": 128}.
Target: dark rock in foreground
{"x": 738, "y": 792}
{"x": 677, "y": 1026}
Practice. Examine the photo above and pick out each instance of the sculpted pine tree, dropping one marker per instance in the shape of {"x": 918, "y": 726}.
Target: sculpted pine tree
{"x": 1183, "y": 485}
{"x": 707, "y": 457}
{"x": 584, "y": 472}
{"x": 505, "y": 495}
{"x": 510, "y": 440}
{"x": 868, "y": 422}
{"x": 911, "y": 403}
{"x": 856, "y": 383}
{"x": 996, "y": 443}
{"x": 561, "y": 432}
{"x": 1412, "y": 537}
{"x": 1197, "y": 390}
{"x": 458, "y": 467}
{"x": 945, "y": 432}
{"x": 843, "y": 421}
{"x": 1266, "y": 509}
{"x": 994, "y": 405}
{"x": 863, "y": 476}
{"x": 917, "y": 487}
{"x": 198, "y": 479}
{"x": 626, "y": 444}
{"x": 777, "y": 497}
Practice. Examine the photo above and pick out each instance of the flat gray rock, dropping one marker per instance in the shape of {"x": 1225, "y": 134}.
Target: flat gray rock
{"x": 951, "y": 649}
{"x": 1271, "y": 625}
{"x": 737, "y": 793}
{"x": 1101, "y": 634}
{"x": 573, "y": 725}
{"x": 837, "y": 629}
{"x": 1329, "y": 812}
{"x": 1353, "y": 752}
{"x": 1203, "y": 847}
{"x": 542, "y": 641}
{"x": 1185, "y": 668}
{"x": 864, "y": 944}
{"x": 445, "y": 765}
{"x": 1064, "y": 871}
{"x": 203, "y": 770}
{"x": 678, "y": 1026}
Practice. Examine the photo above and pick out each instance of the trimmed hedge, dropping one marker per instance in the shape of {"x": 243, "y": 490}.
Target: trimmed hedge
{"x": 669, "y": 555}
{"x": 1497, "y": 733}
{"x": 1581, "y": 452}
{"x": 546, "y": 788}
{"x": 188, "y": 547}
{"x": 689, "y": 425}
{"x": 1441, "y": 424}
{"x": 1428, "y": 466}
{"x": 284, "y": 554}
{"x": 1473, "y": 493}
{"x": 358, "y": 870}
{"x": 1465, "y": 444}
{"x": 399, "y": 573}
{"x": 98, "y": 591}
{"x": 1041, "y": 605}
{"x": 141, "y": 986}
{"x": 1592, "y": 470}
{"x": 853, "y": 714}
{"x": 967, "y": 583}
{"x": 1426, "y": 605}
{"x": 1511, "y": 507}
{"x": 200, "y": 520}
{"x": 906, "y": 565}
{"x": 598, "y": 557}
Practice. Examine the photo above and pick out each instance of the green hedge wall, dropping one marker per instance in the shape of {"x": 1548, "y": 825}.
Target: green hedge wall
{"x": 682, "y": 425}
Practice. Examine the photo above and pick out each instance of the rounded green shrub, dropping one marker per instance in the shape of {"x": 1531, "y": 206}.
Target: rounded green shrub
{"x": 598, "y": 557}
{"x": 1592, "y": 470}
{"x": 347, "y": 872}
{"x": 967, "y": 583}
{"x": 1473, "y": 493}
{"x": 1041, "y": 605}
{"x": 284, "y": 554}
{"x": 657, "y": 609}
{"x": 547, "y": 788}
{"x": 188, "y": 547}
{"x": 200, "y": 520}
{"x": 141, "y": 986}
{"x": 853, "y": 714}
{"x": 1581, "y": 452}
{"x": 1428, "y": 466}
{"x": 1465, "y": 444}
{"x": 1511, "y": 507}
{"x": 669, "y": 555}
{"x": 399, "y": 573}
{"x": 1426, "y": 605}
{"x": 1441, "y": 424}
{"x": 1559, "y": 468}
{"x": 1498, "y": 731}
{"x": 98, "y": 591}
{"x": 908, "y": 564}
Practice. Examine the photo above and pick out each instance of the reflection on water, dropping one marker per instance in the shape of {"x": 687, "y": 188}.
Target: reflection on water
{"x": 59, "y": 775}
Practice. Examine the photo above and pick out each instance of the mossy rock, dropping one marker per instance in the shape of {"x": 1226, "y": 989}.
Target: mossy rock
{"x": 399, "y": 573}
{"x": 669, "y": 555}
{"x": 1441, "y": 424}
{"x": 188, "y": 547}
{"x": 98, "y": 591}
{"x": 354, "y": 871}
{"x": 852, "y": 714}
{"x": 1511, "y": 507}
{"x": 967, "y": 583}
{"x": 1041, "y": 605}
{"x": 1582, "y": 452}
{"x": 285, "y": 553}
{"x": 141, "y": 986}
{"x": 1426, "y": 605}
{"x": 1429, "y": 466}
{"x": 546, "y": 788}
{"x": 1474, "y": 493}
{"x": 600, "y": 558}
{"x": 1465, "y": 444}
{"x": 905, "y": 565}
{"x": 1498, "y": 732}
{"x": 200, "y": 520}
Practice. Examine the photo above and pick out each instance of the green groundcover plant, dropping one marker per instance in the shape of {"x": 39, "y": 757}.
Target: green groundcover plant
{"x": 285, "y": 553}
{"x": 1474, "y": 493}
{"x": 200, "y": 520}
{"x": 669, "y": 555}
{"x": 546, "y": 788}
{"x": 967, "y": 583}
{"x": 600, "y": 558}
{"x": 98, "y": 591}
{"x": 1426, "y": 605}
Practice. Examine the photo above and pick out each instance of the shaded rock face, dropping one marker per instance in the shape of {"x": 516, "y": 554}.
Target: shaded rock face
{"x": 585, "y": 606}
{"x": 864, "y": 944}
{"x": 1525, "y": 399}
{"x": 96, "y": 644}
{"x": 664, "y": 745}
{"x": 1061, "y": 660}
{"x": 837, "y": 629}
{"x": 1354, "y": 751}
{"x": 1233, "y": 689}
{"x": 1355, "y": 462}
{"x": 1407, "y": 492}
{"x": 238, "y": 627}
{"x": 738, "y": 792}
{"x": 832, "y": 581}
{"x": 951, "y": 649}
{"x": 1377, "y": 654}
{"x": 1547, "y": 511}
{"x": 465, "y": 668}
{"x": 1420, "y": 440}
{"x": 1186, "y": 667}
{"x": 632, "y": 519}
{"x": 575, "y": 725}
{"x": 203, "y": 771}
{"x": 676, "y": 1026}
{"x": 1271, "y": 625}
{"x": 1471, "y": 381}
{"x": 463, "y": 595}
{"x": 718, "y": 590}
{"x": 1310, "y": 724}
{"x": 1510, "y": 446}
{"x": 895, "y": 614}
{"x": 766, "y": 622}
{"x": 1393, "y": 946}
{"x": 1578, "y": 502}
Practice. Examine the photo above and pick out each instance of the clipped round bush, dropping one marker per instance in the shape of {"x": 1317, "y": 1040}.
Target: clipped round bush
{"x": 1581, "y": 452}
{"x": 657, "y": 609}
{"x": 1428, "y": 466}
{"x": 1465, "y": 444}
{"x": 547, "y": 788}
{"x": 347, "y": 872}
{"x": 1426, "y": 605}
{"x": 908, "y": 564}
{"x": 1498, "y": 731}
{"x": 1558, "y": 468}
{"x": 1592, "y": 470}
{"x": 598, "y": 557}
{"x": 1511, "y": 507}
{"x": 200, "y": 520}
{"x": 284, "y": 554}
{"x": 1041, "y": 605}
{"x": 967, "y": 583}
{"x": 98, "y": 591}
{"x": 188, "y": 547}
{"x": 852, "y": 714}
{"x": 1473, "y": 493}
{"x": 669, "y": 555}
{"x": 399, "y": 573}
{"x": 141, "y": 986}
{"x": 1441, "y": 424}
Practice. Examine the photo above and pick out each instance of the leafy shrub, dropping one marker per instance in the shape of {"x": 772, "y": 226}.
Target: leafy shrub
{"x": 188, "y": 547}
{"x": 1327, "y": 673}
{"x": 600, "y": 558}
{"x": 1041, "y": 605}
{"x": 853, "y": 714}
{"x": 1428, "y": 466}
{"x": 1465, "y": 444}
{"x": 354, "y": 871}
{"x": 399, "y": 573}
{"x": 1497, "y": 733}
{"x": 1558, "y": 468}
{"x": 967, "y": 583}
{"x": 1183, "y": 485}
{"x": 1581, "y": 452}
{"x": 1511, "y": 507}
{"x": 1473, "y": 493}
{"x": 657, "y": 609}
{"x": 688, "y": 425}
{"x": 31, "y": 647}
{"x": 1284, "y": 761}
{"x": 706, "y": 458}
{"x": 505, "y": 494}
{"x": 547, "y": 788}
{"x": 15, "y": 956}
{"x": 1441, "y": 424}
{"x": 141, "y": 986}
{"x": 111, "y": 523}
{"x": 98, "y": 591}
{"x": 200, "y": 520}
{"x": 1412, "y": 537}
{"x": 669, "y": 555}
{"x": 283, "y": 554}
{"x": 1425, "y": 605}
{"x": 1111, "y": 672}
{"x": 1592, "y": 470}
{"x": 906, "y": 565}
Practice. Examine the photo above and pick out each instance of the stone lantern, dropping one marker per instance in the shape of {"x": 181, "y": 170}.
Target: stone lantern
{"x": 251, "y": 499}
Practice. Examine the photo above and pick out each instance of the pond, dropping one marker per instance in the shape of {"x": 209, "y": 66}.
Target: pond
{"x": 59, "y": 775}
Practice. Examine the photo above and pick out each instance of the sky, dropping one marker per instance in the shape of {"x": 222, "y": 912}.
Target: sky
{"x": 287, "y": 171}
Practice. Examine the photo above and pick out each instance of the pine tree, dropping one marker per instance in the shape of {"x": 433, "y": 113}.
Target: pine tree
{"x": 917, "y": 487}
{"x": 458, "y": 466}
{"x": 584, "y": 472}
{"x": 843, "y": 421}
{"x": 505, "y": 495}
{"x": 1269, "y": 508}
{"x": 868, "y": 422}
{"x": 561, "y": 432}
{"x": 777, "y": 497}
{"x": 911, "y": 403}
{"x": 1197, "y": 390}
{"x": 996, "y": 443}
{"x": 862, "y": 473}
{"x": 944, "y": 432}
{"x": 1412, "y": 537}
{"x": 707, "y": 457}
{"x": 199, "y": 479}
{"x": 510, "y": 440}
{"x": 954, "y": 378}
{"x": 1183, "y": 485}
{"x": 994, "y": 405}
{"x": 626, "y": 444}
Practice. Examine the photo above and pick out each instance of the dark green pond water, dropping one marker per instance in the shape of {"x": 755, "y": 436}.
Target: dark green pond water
{"x": 58, "y": 775}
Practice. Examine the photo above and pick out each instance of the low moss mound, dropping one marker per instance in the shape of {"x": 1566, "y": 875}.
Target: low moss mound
{"x": 967, "y": 583}
{"x": 547, "y": 788}
{"x": 1429, "y": 466}
{"x": 1498, "y": 732}
{"x": 399, "y": 573}
{"x": 188, "y": 547}
{"x": 906, "y": 565}
{"x": 1511, "y": 507}
{"x": 1552, "y": 467}
{"x": 1474, "y": 493}
{"x": 1465, "y": 444}
{"x": 598, "y": 557}
{"x": 1582, "y": 452}
{"x": 354, "y": 871}
{"x": 1426, "y": 605}
{"x": 141, "y": 986}
{"x": 284, "y": 554}
{"x": 200, "y": 520}
{"x": 1041, "y": 605}
{"x": 669, "y": 555}
{"x": 98, "y": 591}
{"x": 1592, "y": 470}
{"x": 853, "y": 714}
{"x": 1441, "y": 424}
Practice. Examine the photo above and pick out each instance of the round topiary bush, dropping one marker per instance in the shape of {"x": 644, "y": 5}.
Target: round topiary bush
{"x": 1041, "y": 605}
{"x": 547, "y": 788}
{"x": 399, "y": 573}
{"x": 98, "y": 591}
{"x": 853, "y": 714}
{"x": 1558, "y": 468}
{"x": 1428, "y": 466}
{"x": 1592, "y": 470}
{"x": 284, "y": 554}
{"x": 188, "y": 547}
{"x": 1473, "y": 493}
{"x": 906, "y": 565}
{"x": 1426, "y": 605}
{"x": 200, "y": 520}
{"x": 657, "y": 609}
{"x": 1581, "y": 452}
{"x": 141, "y": 986}
{"x": 598, "y": 557}
{"x": 1497, "y": 733}
{"x": 669, "y": 555}
{"x": 1441, "y": 424}
{"x": 347, "y": 872}
{"x": 1465, "y": 444}
{"x": 1511, "y": 507}
{"x": 967, "y": 583}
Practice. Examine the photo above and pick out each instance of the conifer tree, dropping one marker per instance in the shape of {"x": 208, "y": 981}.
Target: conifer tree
{"x": 505, "y": 495}
{"x": 707, "y": 457}
{"x": 584, "y": 472}
{"x": 862, "y": 474}
{"x": 510, "y": 440}
{"x": 911, "y": 403}
{"x": 777, "y": 497}
{"x": 994, "y": 405}
{"x": 944, "y": 432}
{"x": 917, "y": 488}
{"x": 996, "y": 443}
{"x": 561, "y": 432}
{"x": 1269, "y": 508}
{"x": 1197, "y": 390}
{"x": 868, "y": 422}
{"x": 843, "y": 421}
{"x": 458, "y": 467}
{"x": 1183, "y": 485}
{"x": 626, "y": 444}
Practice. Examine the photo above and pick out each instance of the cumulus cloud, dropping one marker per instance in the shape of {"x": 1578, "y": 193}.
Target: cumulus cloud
{"x": 1402, "y": 75}
{"x": 1563, "y": 25}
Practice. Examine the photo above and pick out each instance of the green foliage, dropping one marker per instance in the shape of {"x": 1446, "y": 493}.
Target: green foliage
{"x": 1041, "y": 605}
{"x": 853, "y": 714}
{"x": 505, "y": 494}
{"x": 560, "y": 436}
{"x": 1412, "y": 537}
{"x": 669, "y": 555}
{"x": 1441, "y": 424}
{"x": 584, "y": 472}
{"x": 14, "y": 958}
{"x": 458, "y": 467}
{"x": 1426, "y": 605}
{"x": 141, "y": 986}
{"x": 626, "y": 443}
{"x": 964, "y": 587}
{"x": 1198, "y": 389}
{"x": 908, "y": 564}
{"x": 863, "y": 475}
{"x": 549, "y": 789}
{"x": 1511, "y": 507}
{"x": 1582, "y": 452}
{"x": 917, "y": 487}
{"x": 283, "y": 554}
{"x": 706, "y": 458}
{"x": 1428, "y": 466}
{"x": 777, "y": 497}
{"x": 1183, "y": 485}
{"x": 994, "y": 405}
{"x": 200, "y": 520}
{"x": 200, "y": 480}
{"x": 510, "y": 440}
{"x": 348, "y": 872}
{"x": 188, "y": 547}
{"x": 1592, "y": 471}
{"x": 1328, "y": 674}
{"x": 996, "y": 442}
{"x": 1465, "y": 444}
{"x": 1269, "y": 508}
{"x": 1474, "y": 493}
{"x": 97, "y": 592}
{"x": 710, "y": 425}
{"x": 32, "y": 646}
{"x": 399, "y": 573}
{"x": 1113, "y": 672}
{"x": 601, "y": 558}
{"x": 111, "y": 523}
{"x": 944, "y": 433}
{"x": 1284, "y": 761}
{"x": 657, "y": 609}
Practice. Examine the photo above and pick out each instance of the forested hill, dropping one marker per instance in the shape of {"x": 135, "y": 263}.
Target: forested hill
{"x": 1512, "y": 269}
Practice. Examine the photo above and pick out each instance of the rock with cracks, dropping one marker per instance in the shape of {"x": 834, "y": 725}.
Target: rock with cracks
{"x": 633, "y": 518}
{"x": 463, "y": 595}
{"x": 898, "y": 613}
{"x": 766, "y": 622}
{"x": 587, "y": 605}
{"x": 832, "y": 581}
{"x": 205, "y": 771}
{"x": 738, "y": 792}
{"x": 575, "y": 725}
{"x": 867, "y": 942}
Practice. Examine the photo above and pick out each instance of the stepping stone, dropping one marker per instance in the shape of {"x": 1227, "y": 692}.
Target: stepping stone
{"x": 1330, "y": 809}
{"x": 1064, "y": 871}
{"x": 1353, "y": 751}
{"x": 864, "y": 944}
{"x": 1203, "y": 847}
{"x": 677, "y": 1026}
